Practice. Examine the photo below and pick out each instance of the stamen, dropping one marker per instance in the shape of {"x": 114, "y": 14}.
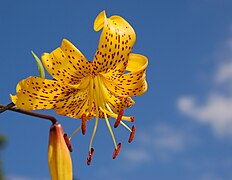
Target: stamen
{"x": 119, "y": 118}
{"x": 132, "y": 134}
{"x": 90, "y": 155}
{"x": 83, "y": 124}
{"x": 94, "y": 132}
{"x": 112, "y": 114}
{"x": 90, "y": 95}
{"x": 116, "y": 151}
{"x": 96, "y": 122}
{"x": 78, "y": 129}
{"x": 125, "y": 126}
{"x": 132, "y": 118}
{"x": 110, "y": 129}
{"x": 67, "y": 141}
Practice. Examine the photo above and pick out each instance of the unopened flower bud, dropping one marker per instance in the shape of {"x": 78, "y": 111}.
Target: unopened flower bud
{"x": 59, "y": 159}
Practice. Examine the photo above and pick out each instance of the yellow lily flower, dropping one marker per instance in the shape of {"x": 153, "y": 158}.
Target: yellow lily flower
{"x": 59, "y": 160}
{"x": 82, "y": 89}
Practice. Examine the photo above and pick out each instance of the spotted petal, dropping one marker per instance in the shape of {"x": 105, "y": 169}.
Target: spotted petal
{"x": 73, "y": 105}
{"x": 132, "y": 83}
{"x": 115, "y": 44}
{"x": 38, "y": 93}
{"x": 118, "y": 102}
{"x": 66, "y": 63}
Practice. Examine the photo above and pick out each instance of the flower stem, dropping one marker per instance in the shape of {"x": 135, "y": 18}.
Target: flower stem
{"x": 4, "y": 108}
{"x": 12, "y": 107}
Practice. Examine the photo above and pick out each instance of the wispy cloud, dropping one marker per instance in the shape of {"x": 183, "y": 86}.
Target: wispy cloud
{"x": 224, "y": 73}
{"x": 15, "y": 177}
{"x": 158, "y": 143}
{"x": 217, "y": 108}
{"x": 216, "y": 111}
{"x": 137, "y": 156}
{"x": 210, "y": 176}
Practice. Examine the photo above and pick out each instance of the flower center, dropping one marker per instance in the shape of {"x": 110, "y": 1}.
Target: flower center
{"x": 98, "y": 102}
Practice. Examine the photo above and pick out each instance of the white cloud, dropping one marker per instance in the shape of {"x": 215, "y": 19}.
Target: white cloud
{"x": 137, "y": 156}
{"x": 217, "y": 109}
{"x": 224, "y": 73}
{"x": 210, "y": 176}
{"x": 167, "y": 138}
{"x": 158, "y": 143}
{"x": 12, "y": 177}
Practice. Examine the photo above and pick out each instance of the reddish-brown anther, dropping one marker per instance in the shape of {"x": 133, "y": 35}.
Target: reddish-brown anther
{"x": 89, "y": 158}
{"x": 132, "y": 118}
{"x": 132, "y": 134}
{"x": 83, "y": 124}
{"x": 116, "y": 150}
{"x": 119, "y": 118}
{"x": 67, "y": 141}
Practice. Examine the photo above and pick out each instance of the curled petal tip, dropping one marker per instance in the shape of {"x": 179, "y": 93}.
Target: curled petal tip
{"x": 99, "y": 21}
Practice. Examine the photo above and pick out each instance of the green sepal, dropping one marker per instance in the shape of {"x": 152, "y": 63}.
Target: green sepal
{"x": 40, "y": 65}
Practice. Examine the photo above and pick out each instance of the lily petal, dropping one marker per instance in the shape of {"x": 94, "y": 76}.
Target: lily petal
{"x": 74, "y": 105}
{"x": 66, "y": 63}
{"x": 132, "y": 83}
{"x": 38, "y": 93}
{"x": 118, "y": 102}
{"x": 115, "y": 44}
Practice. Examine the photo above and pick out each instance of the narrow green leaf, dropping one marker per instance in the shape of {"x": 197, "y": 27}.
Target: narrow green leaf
{"x": 40, "y": 65}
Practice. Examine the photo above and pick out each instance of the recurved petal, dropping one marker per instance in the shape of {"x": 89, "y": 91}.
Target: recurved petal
{"x": 118, "y": 102}
{"x": 115, "y": 44}
{"x": 38, "y": 93}
{"x": 132, "y": 83}
{"x": 67, "y": 63}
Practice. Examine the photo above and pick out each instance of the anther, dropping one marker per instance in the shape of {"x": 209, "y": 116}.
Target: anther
{"x": 132, "y": 118}
{"x": 116, "y": 150}
{"x": 67, "y": 141}
{"x": 83, "y": 124}
{"x": 89, "y": 158}
{"x": 119, "y": 118}
{"x": 132, "y": 134}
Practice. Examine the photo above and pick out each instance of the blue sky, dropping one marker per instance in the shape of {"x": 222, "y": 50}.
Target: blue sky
{"x": 184, "y": 121}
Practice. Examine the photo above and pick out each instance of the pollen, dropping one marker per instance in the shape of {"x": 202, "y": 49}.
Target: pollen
{"x": 132, "y": 134}
{"x": 83, "y": 125}
{"x": 119, "y": 118}
{"x": 89, "y": 158}
{"x": 116, "y": 151}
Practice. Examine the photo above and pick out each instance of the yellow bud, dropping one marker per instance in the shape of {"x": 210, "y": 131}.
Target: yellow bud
{"x": 59, "y": 159}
